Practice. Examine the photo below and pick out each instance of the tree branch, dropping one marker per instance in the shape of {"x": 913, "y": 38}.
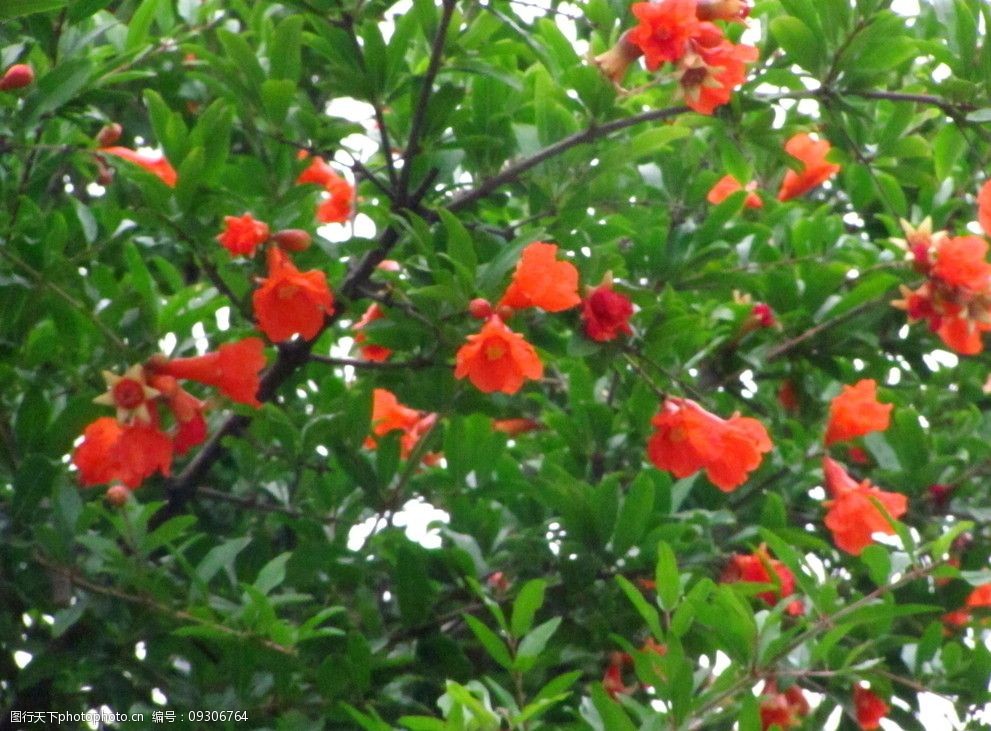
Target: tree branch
{"x": 420, "y": 110}
{"x": 590, "y": 134}
{"x": 147, "y": 602}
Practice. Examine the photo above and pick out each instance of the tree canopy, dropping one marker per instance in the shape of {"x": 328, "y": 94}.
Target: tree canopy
{"x": 455, "y": 365}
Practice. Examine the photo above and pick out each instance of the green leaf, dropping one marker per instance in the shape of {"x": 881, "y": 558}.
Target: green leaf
{"x": 460, "y": 247}
{"x": 221, "y": 557}
{"x": 649, "y": 613}
{"x": 284, "y": 54}
{"x": 140, "y": 24}
{"x": 167, "y": 533}
{"x": 56, "y": 89}
{"x": 667, "y": 577}
{"x": 273, "y": 573}
{"x": 277, "y": 95}
{"x": 798, "y": 41}
{"x": 534, "y": 643}
{"x": 878, "y": 563}
{"x": 528, "y": 601}
{"x": 15, "y": 8}
{"x": 613, "y": 716}
{"x": 490, "y": 641}
{"x": 634, "y": 515}
{"x": 652, "y": 141}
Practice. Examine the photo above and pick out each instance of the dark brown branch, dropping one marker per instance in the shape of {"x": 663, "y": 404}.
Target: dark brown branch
{"x": 420, "y": 362}
{"x": 590, "y": 134}
{"x": 148, "y": 602}
{"x": 420, "y": 110}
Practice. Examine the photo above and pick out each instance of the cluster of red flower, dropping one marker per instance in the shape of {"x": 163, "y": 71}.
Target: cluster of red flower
{"x": 955, "y": 299}
{"x": 288, "y": 301}
{"x": 337, "y": 205}
{"x": 815, "y": 171}
{"x": 136, "y": 444}
{"x": 689, "y": 439}
{"x": 708, "y": 66}
{"x": 498, "y": 359}
{"x": 390, "y": 415}
{"x": 787, "y": 708}
{"x": 852, "y": 514}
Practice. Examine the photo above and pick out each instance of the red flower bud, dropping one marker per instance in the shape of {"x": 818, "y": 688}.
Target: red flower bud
{"x": 480, "y": 308}
{"x": 940, "y": 494}
{"x": 17, "y": 77}
{"x": 292, "y": 239}
{"x": 763, "y": 314}
{"x": 109, "y": 135}
{"x": 117, "y": 495}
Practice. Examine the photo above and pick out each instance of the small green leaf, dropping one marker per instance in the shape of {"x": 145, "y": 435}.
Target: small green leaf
{"x": 16, "y": 8}
{"x": 528, "y": 601}
{"x": 634, "y": 515}
{"x": 490, "y": 641}
{"x": 798, "y": 41}
{"x": 649, "y": 613}
{"x": 534, "y": 643}
{"x": 273, "y": 573}
{"x": 667, "y": 577}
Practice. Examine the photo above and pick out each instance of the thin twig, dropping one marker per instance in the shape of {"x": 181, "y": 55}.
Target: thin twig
{"x": 178, "y": 615}
{"x": 422, "y": 102}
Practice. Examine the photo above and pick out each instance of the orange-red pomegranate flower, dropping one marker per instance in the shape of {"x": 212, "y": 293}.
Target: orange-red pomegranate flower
{"x": 497, "y": 359}
{"x": 190, "y": 429}
{"x": 709, "y": 73}
{"x": 963, "y": 334}
{"x": 984, "y": 207}
{"x": 606, "y": 313}
{"x": 540, "y": 280}
{"x": 664, "y": 30}
{"x": 130, "y": 394}
{"x": 689, "y": 438}
{"x": 728, "y": 185}
{"x": 785, "y": 709}
{"x": 290, "y": 301}
{"x": 243, "y": 234}
{"x": 870, "y": 709}
{"x": 960, "y": 262}
{"x": 754, "y": 568}
{"x": 111, "y": 452}
{"x": 856, "y": 411}
{"x": 816, "y": 169}
{"x": 852, "y": 516}
{"x": 370, "y": 351}
{"x": 234, "y": 369}
{"x": 318, "y": 173}
{"x": 980, "y": 597}
{"x": 337, "y": 207}
{"x": 154, "y": 163}
{"x": 390, "y": 415}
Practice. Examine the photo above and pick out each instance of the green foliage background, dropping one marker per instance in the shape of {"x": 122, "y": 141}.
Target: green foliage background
{"x": 235, "y": 576}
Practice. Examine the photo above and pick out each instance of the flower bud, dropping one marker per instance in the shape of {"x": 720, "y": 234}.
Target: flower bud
{"x": 722, "y": 10}
{"x": 292, "y": 239}
{"x": 480, "y": 308}
{"x": 17, "y": 77}
{"x": 505, "y": 312}
{"x": 109, "y": 135}
{"x": 117, "y": 495}
{"x": 614, "y": 63}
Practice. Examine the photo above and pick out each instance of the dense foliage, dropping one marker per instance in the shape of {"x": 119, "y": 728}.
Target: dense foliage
{"x": 688, "y": 467}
